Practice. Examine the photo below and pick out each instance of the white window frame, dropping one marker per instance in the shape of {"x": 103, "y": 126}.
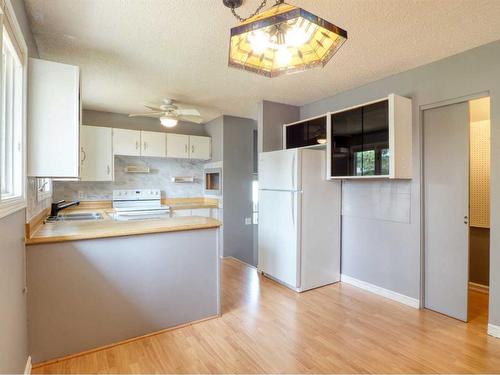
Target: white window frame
{"x": 11, "y": 205}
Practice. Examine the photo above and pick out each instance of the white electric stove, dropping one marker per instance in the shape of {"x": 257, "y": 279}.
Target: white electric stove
{"x": 139, "y": 204}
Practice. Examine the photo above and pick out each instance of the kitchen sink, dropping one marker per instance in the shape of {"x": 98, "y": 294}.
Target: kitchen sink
{"x": 76, "y": 217}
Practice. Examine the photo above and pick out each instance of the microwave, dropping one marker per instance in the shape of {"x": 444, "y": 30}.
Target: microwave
{"x": 213, "y": 181}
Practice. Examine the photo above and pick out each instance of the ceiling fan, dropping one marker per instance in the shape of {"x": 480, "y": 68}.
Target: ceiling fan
{"x": 170, "y": 114}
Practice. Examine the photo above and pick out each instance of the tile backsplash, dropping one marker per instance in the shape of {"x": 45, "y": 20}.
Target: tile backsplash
{"x": 160, "y": 177}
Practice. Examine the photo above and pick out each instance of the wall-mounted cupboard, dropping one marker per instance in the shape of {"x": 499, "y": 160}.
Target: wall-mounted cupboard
{"x": 139, "y": 143}
{"x": 372, "y": 140}
{"x": 99, "y": 145}
{"x": 305, "y": 133}
{"x": 53, "y": 135}
{"x": 157, "y": 144}
{"x": 96, "y": 154}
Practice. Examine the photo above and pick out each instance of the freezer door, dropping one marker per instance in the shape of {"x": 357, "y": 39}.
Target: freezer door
{"x": 280, "y": 170}
{"x": 279, "y": 235}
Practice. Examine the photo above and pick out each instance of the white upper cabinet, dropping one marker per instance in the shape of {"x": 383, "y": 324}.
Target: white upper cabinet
{"x": 177, "y": 146}
{"x": 200, "y": 147}
{"x": 53, "y": 120}
{"x": 126, "y": 142}
{"x": 96, "y": 150}
{"x": 153, "y": 144}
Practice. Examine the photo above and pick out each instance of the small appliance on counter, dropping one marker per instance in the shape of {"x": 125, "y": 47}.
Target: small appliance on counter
{"x": 299, "y": 219}
{"x": 139, "y": 204}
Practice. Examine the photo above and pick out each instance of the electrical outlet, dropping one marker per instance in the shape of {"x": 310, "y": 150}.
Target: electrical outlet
{"x": 81, "y": 195}
{"x": 248, "y": 221}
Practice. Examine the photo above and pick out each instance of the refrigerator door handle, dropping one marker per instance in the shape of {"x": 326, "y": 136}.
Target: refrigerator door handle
{"x": 293, "y": 208}
{"x": 293, "y": 172}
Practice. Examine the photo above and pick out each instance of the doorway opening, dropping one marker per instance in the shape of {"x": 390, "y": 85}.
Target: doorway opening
{"x": 456, "y": 190}
{"x": 479, "y": 211}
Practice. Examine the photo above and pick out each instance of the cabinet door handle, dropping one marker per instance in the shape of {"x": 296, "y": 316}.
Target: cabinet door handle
{"x": 84, "y": 155}
{"x": 192, "y": 148}
{"x": 136, "y": 145}
{"x": 145, "y": 145}
{"x": 186, "y": 148}
{"x": 108, "y": 169}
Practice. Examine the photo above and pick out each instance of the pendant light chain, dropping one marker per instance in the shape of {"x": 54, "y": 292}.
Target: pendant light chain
{"x": 257, "y": 11}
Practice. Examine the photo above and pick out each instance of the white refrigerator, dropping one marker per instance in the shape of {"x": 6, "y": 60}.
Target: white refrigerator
{"x": 299, "y": 219}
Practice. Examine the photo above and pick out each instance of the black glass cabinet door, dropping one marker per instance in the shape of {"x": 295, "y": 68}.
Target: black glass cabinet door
{"x": 346, "y": 140}
{"x": 360, "y": 141}
{"x": 306, "y": 133}
{"x": 375, "y": 158}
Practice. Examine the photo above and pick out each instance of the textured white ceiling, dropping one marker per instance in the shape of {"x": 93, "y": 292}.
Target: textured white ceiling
{"x": 136, "y": 51}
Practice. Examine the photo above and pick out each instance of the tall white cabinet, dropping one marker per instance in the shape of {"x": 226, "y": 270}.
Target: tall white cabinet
{"x": 96, "y": 148}
{"x": 53, "y": 119}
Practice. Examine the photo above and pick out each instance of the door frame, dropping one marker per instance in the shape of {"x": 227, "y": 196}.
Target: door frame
{"x": 422, "y": 108}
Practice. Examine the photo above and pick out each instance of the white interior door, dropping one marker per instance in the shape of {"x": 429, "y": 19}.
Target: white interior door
{"x": 446, "y": 205}
{"x": 278, "y": 235}
{"x": 153, "y": 144}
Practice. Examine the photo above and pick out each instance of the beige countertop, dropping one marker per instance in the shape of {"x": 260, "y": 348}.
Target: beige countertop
{"x": 39, "y": 232}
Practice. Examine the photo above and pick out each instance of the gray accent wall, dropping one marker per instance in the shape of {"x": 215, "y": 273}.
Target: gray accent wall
{"x": 119, "y": 120}
{"x": 215, "y": 129}
{"x": 13, "y": 321}
{"x": 233, "y": 144}
{"x": 86, "y": 294}
{"x": 271, "y": 118}
{"x": 237, "y": 188}
{"x": 388, "y": 254}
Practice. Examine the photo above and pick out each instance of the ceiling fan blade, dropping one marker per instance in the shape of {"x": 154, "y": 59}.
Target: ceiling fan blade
{"x": 188, "y": 112}
{"x": 147, "y": 114}
{"x": 188, "y": 118}
{"x": 153, "y": 107}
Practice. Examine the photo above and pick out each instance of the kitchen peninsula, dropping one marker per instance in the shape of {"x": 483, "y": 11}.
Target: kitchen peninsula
{"x": 97, "y": 283}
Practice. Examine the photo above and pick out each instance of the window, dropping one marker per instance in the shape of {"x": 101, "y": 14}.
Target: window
{"x": 43, "y": 188}
{"x": 372, "y": 162}
{"x": 12, "y": 117}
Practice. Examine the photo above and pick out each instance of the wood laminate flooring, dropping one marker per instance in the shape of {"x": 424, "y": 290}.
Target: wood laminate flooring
{"x": 339, "y": 328}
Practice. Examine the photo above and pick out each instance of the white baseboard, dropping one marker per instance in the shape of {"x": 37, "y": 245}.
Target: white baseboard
{"x": 479, "y": 287}
{"x": 27, "y": 369}
{"x": 494, "y": 330}
{"x": 412, "y": 302}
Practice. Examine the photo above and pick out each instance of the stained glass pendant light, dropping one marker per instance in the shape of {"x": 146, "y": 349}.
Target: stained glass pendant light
{"x": 283, "y": 39}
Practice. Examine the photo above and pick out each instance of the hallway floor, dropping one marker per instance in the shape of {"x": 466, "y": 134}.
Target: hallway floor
{"x": 339, "y": 328}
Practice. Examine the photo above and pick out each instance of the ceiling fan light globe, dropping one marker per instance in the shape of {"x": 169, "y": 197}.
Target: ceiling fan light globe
{"x": 168, "y": 122}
